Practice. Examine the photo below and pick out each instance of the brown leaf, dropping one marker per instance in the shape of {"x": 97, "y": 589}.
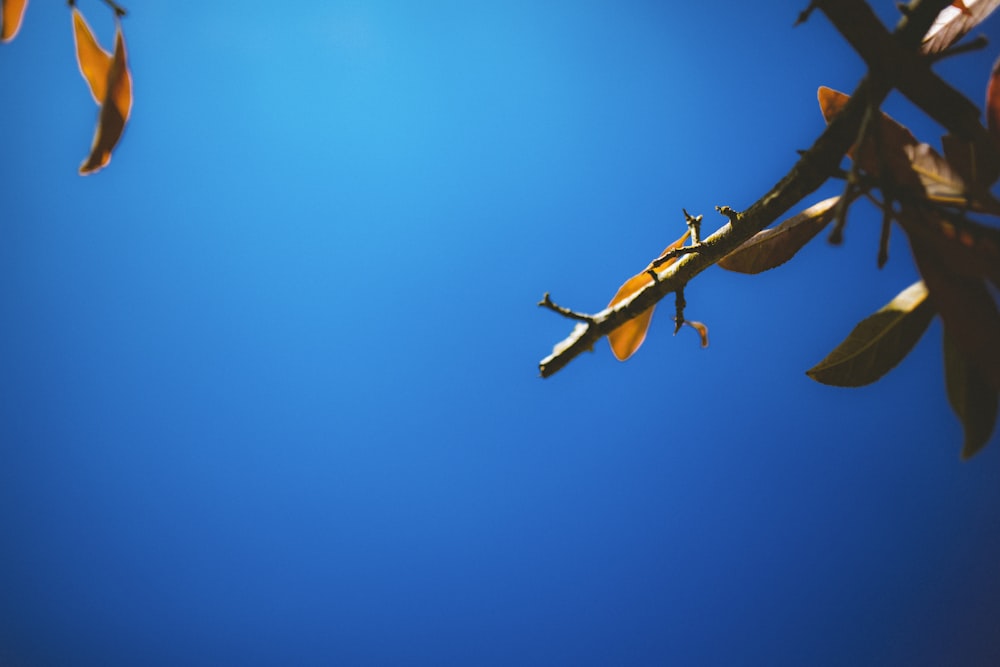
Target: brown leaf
{"x": 959, "y": 292}
{"x": 773, "y": 247}
{"x": 883, "y": 146}
{"x": 954, "y": 22}
{"x": 993, "y": 104}
{"x": 971, "y": 397}
{"x": 879, "y": 342}
{"x": 115, "y": 109}
{"x": 629, "y": 336}
{"x": 962, "y": 247}
{"x": 701, "y": 329}
{"x": 11, "y": 14}
{"x": 978, "y": 168}
{"x": 94, "y": 62}
{"x": 940, "y": 181}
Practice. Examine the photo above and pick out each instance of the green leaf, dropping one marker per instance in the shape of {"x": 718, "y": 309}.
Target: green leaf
{"x": 878, "y": 342}
{"x": 773, "y": 247}
{"x": 971, "y": 397}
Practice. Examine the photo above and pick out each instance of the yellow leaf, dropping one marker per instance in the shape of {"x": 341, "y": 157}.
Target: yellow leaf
{"x": 11, "y": 13}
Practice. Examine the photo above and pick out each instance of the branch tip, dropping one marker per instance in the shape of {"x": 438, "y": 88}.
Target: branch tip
{"x": 694, "y": 224}
{"x": 980, "y": 42}
{"x": 805, "y": 14}
{"x": 733, "y": 216}
{"x": 547, "y": 302}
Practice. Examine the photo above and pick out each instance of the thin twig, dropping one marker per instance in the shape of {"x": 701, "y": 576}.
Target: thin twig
{"x": 672, "y": 254}
{"x": 679, "y": 304}
{"x": 118, "y": 9}
{"x": 836, "y": 236}
{"x": 547, "y": 302}
{"x": 883, "y": 239}
{"x": 805, "y": 14}
{"x": 694, "y": 224}
{"x": 977, "y": 44}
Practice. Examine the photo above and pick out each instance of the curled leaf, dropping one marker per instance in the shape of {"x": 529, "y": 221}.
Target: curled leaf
{"x": 955, "y": 21}
{"x": 94, "y": 62}
{"x": 971, "y": 397}
{"x": 773, "y": 247}
{"x": 878, "y": 342}
{"x": 629, "y": 336}
{"x": 116, "y": 106}
{"x": 11, "y": 14}
{"x": 701, "y": 329}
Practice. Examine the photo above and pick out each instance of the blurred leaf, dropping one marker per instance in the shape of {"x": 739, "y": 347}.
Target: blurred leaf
{"x": 884, "y": 143}
{"x": 701, "y": 329}
{"x": 954, "y": 22}
{"x": 773, "y": 247}
{"x": 115, "y": 109}
{"x": 993, "y": 105}
{"x": 878, "y": 342}
{"x": 971, "y": 397}
{"x": 962, "y": 180}
{"x": 939, "y": 179}
{"x": 94, "y": 62}
{"x": 963, "y": 247}
{"x": 11, "y": 14}
{"x": 979, "y": 169}
{"x": 954, "y": 274}
{"x": 629, "y": 336}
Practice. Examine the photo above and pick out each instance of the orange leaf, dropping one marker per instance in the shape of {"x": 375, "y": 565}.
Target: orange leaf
{"x": 94, "y": 62}
{"x": 11, "y": 13}
{"x": 115, "y": 109}
{"x": 629, "y": 336}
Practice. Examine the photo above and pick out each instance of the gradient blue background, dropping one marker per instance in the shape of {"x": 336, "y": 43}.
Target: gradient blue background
{"x": 269, "y": 382}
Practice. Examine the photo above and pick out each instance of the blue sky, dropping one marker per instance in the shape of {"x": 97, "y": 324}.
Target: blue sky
{"x": 270, "y": 389}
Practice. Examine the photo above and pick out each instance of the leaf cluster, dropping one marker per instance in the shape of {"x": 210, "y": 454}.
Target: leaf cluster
{"x": 941, "y": 202}
{"x": 106, "y": 74}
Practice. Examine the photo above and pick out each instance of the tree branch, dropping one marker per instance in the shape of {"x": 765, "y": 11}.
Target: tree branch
{"x": 854, "y": 19}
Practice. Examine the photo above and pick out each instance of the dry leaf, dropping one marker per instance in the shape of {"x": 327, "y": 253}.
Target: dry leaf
{"x": 773, "y": 247}
{"x": 629, "y": 336}
{"x": 11, "y": 14}
{"x": 879, "y": 342}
